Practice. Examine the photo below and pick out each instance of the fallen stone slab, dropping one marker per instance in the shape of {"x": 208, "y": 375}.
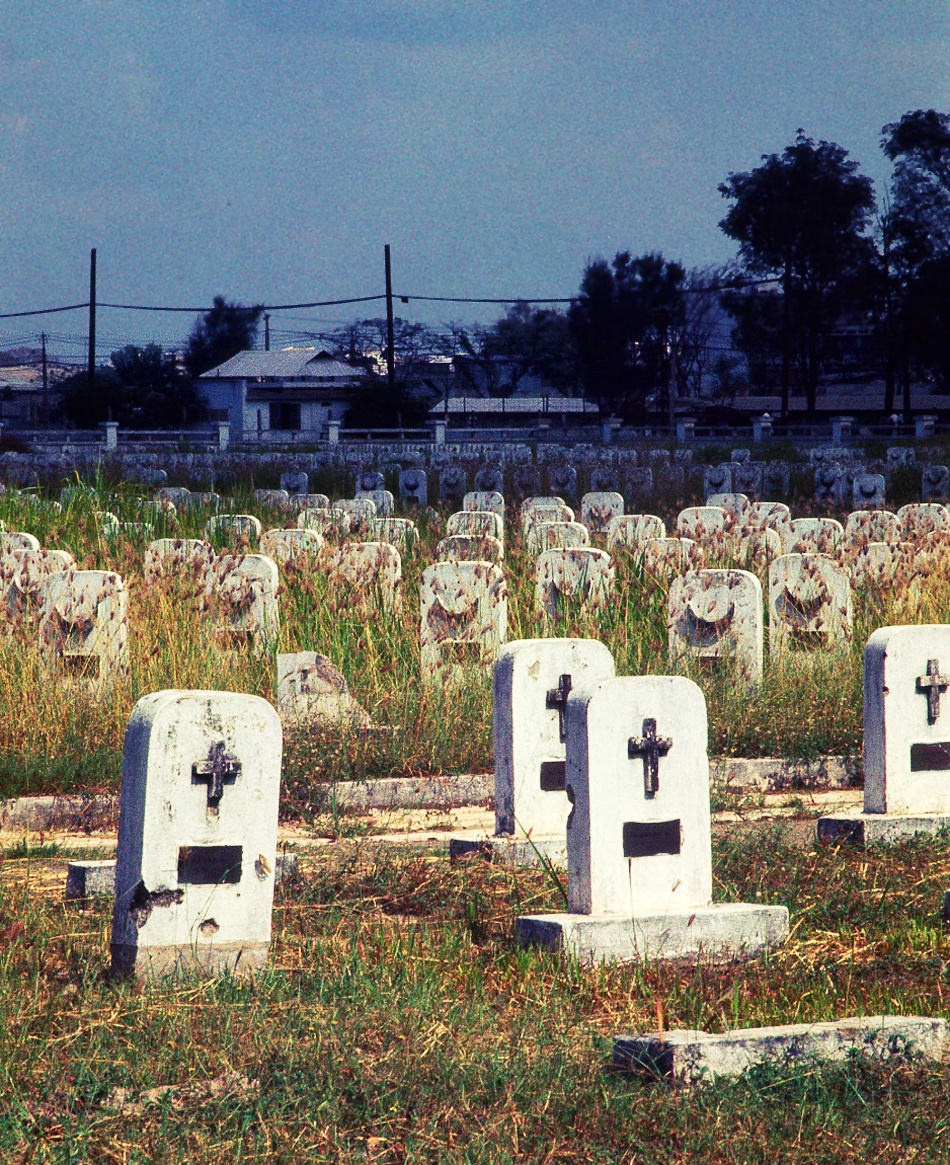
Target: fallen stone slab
{"x": 775, "y": 774}
{"x": 512, "y": 851}
{"x": 697, "y": 1057}
{"x": 80, "y": 813}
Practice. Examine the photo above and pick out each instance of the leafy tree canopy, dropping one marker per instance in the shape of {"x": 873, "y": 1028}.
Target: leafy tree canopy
{"x": 223, "y": 331}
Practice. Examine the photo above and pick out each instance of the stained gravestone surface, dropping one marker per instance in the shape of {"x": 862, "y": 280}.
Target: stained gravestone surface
{"x": 716, "y": 616}
{"x": 597, "y": 508}
{"x": 736, "y": 504}
{"x": 567, "y": 577}
{"x": 357, "y": 514}
{"x": 294, "y": 483}
{"x": 278, "y": 498}
{"x": 469, "y": 548}
{"x": 235, "y": 529}
{"x": 490, "y": 500}
{"x": 867, "y": 491}
{"x": 23, "y": 573}
{"x": 863, "y": 526}
{"x": 197, "y": 834}
{"x": 372, "y": 572}
{"x": 399, "y": 532}
{"x": 382, "y": 499}
{"x": 531, "y": 683}
{"x": 489, "y": 478}
{"x": 906, "y": 737}
{"x": 639, "y": 881}
{"x": 83, "y": 624}
{"x": 934, "y": 483}
{"x": 663, "y": 557}
{"x": 556, "y": 535}
{"x": 312, "y": 689}
{"x": 537, "y": 510}
{"x": 452, "y": 483}
{"x": 476, "y": 523}
{"x": 463, "y": 614}
{"x": 291, "y": 545}
{"x": 717, "y": 479}
{"x": 918, "y": 519}
{"x": 562, "y": 480}
{"x": 239, "y": 598}
{"x": 809, "y": 604}
{"x": 630, "y": 531}
{"x": 814, "y": 535}
{"x": 167, "y": 557}
{"x": 776, "y": 479}
{"x": 414, "y": 487}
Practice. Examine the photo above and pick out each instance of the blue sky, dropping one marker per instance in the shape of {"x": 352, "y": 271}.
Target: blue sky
{"x": 267, "y": 149}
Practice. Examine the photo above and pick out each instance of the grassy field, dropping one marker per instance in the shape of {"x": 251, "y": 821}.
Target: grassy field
{"x": 55, "y": 737}
{"x": 397, "y": 1022}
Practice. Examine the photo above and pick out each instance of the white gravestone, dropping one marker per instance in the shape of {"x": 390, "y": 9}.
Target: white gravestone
{"x": 536, "y": 510}
{"x": 663, "y": 557}
{"x": 175, "y": 556}
{"x": 716, "y": 615}
{"x": 240, "y": 595}
{"x": 709, "y": 526}
{"x": 278, "y": 499}
{"x": 770, "y": 516}
{"x": 598, "y": 508}
{"x": 373, "y": 571}
{"x": 863, "y": 526}
{"x": 15, "y": 540}
{"x": 355, "y": 515}
{"x": 398, "y": 532}
{"x": 291, "y": 545}
{"x": 23, "y": 573}
{"x": 579, "y": 577}
{"x": 873, "y": 564}
{"x": 487, "y": 500}
{"x": 463, "y": 609}
{"x": 867, "y": 492}
{"x": 477, "y": 524}
{"x": 197, "y": 834}
{"x": 311, "y": 689}
{"x": 382, "y": 499}
{"x": 809, "y": 604}
{"x": 556, "y": 536}
{"x": 906, "y": 737}
{"x": 469, "y": 548}
{"x": 639, "y": 880}
{"x": 919, "y": 519}
{"x": 736, "y": 504}
{"x": 630, "y": 531}
{"x": 814, "y": 536}
{"x": 300, "y": 502}
{"x": 238, "y": 529}
{"x": 84, "y": 625}
{"x": 325, "y": 522}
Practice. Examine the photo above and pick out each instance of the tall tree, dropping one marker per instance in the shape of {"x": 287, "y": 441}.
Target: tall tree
{"x": 223, "y": 331}
{"x": 801, "y": 217}
{"x": 525, "y": 341}
{"x": 623, "y": 322}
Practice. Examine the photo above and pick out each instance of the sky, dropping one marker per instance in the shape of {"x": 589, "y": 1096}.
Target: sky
{"x": 266, "y": 150}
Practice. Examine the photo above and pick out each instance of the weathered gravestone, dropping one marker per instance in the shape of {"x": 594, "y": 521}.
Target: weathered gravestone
{"x": 709, "y": 526}
{"x": 537, "y": 510}
{"x": 356, "y": 515}
{"x": 197, "y": 834}
{"x": 631, "y": 530}
{"x": 371, "y": 572}
{"x": 277, "y": 498}
{"x": 867, "y": 491}
{"x": 934, "y": 483}
{"x": 240, "y": 597}
{"x": 809, "y": 604}
{"x": 175, "y": 556}
{"x": 414, "y": 487}
{"x": 920, "y": 519}
{"x": 582, "y": 577}
{"x": 84, "y": 625}
{"x": 639, "y": 878}
{"x": 485, "y": 500}
{"x": 291, "y": 545}
{"x": 382, "y": 499}
{"x": 736, "y": 504}
{"x": 749, "y": 478}
{"x": 556, "y": 536}
{"x": 906, "y": 737}
{"x": 477, "y": 524}
{"x": 717, "y": 479}
{"x": 489, "y": 478}
{"x": 863, "y": 526}
{"x": 469, "y": 548}
{"x": 829, "y": 484}
{"x": 715, "y": 616}
{"x": 398, "y": 532}
{"x": 814, "y": 535}
{"x": 526, "y": 481}
{"x": 295, "y": 483}
{"x": 323, "y": 521}
{"x": 452, "y": 483}
{"x": 663, "y": 557}
{"x": 776, "y": 478}
{"x": 770, "y": 516}
{"x": 311, "y": 689}
{"x": 598, "y": 508}
{"x": 532, "y": 680}
{"x": 234, "y": 529}
{"x": 638, "y": 485}
{"x": 369, "y": 480}
{"x": 23, "y": 573}
{"x": 562, "y": 480}
{"x": 872, "y": 564}
{"x": 604, "y": 479}
{"x": 463, "y": 614}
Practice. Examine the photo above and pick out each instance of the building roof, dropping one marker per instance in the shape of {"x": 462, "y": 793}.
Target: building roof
{"x": 285, "y": 364}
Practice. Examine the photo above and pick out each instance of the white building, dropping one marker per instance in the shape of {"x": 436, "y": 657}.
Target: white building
{"x": 291, "y": 390}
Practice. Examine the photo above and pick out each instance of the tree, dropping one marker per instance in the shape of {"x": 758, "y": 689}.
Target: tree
{"x": 801, "y": 217}
{"x": 162, "y": 393}
{"x": 525, "y": 341}
{"x": 107, "y": 399}
{"x": 223, "y": 331}
{"x": 623, "y": 323}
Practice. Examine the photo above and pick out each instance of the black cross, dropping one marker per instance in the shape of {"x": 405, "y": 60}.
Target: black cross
{"x": 650, "y": 747}
{"x": 218, "y": 770}
{"x": 931, "y": 685}
{"x": 557, "y": 698}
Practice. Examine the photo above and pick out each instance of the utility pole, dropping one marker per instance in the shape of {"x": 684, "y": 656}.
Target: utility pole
{"x": 45, "y": 380}
{"x": 91, "y": 373}
{"x": 266, "y": 331}
{"x": 390, "y": 343}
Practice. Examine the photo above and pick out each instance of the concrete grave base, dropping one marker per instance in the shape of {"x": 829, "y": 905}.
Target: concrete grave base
{"x": 512, "y": 851}
{"x": 239, "y": 959}
{"x": 86, "y": 879}
{"x": 696, "y": 1057}
{"x": 720, "y": 933}
{"x": 865, "y": 828}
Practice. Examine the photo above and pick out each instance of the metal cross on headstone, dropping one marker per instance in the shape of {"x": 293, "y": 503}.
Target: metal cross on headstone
{"x": 218, "y": 770}
{"x": 557, "y": 698}
{"x": 650, "y": 747}
{"x": 932, "y": 685}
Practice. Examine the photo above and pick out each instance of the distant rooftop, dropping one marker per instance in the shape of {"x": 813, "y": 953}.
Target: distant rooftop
{"x": 285, "y": 364}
